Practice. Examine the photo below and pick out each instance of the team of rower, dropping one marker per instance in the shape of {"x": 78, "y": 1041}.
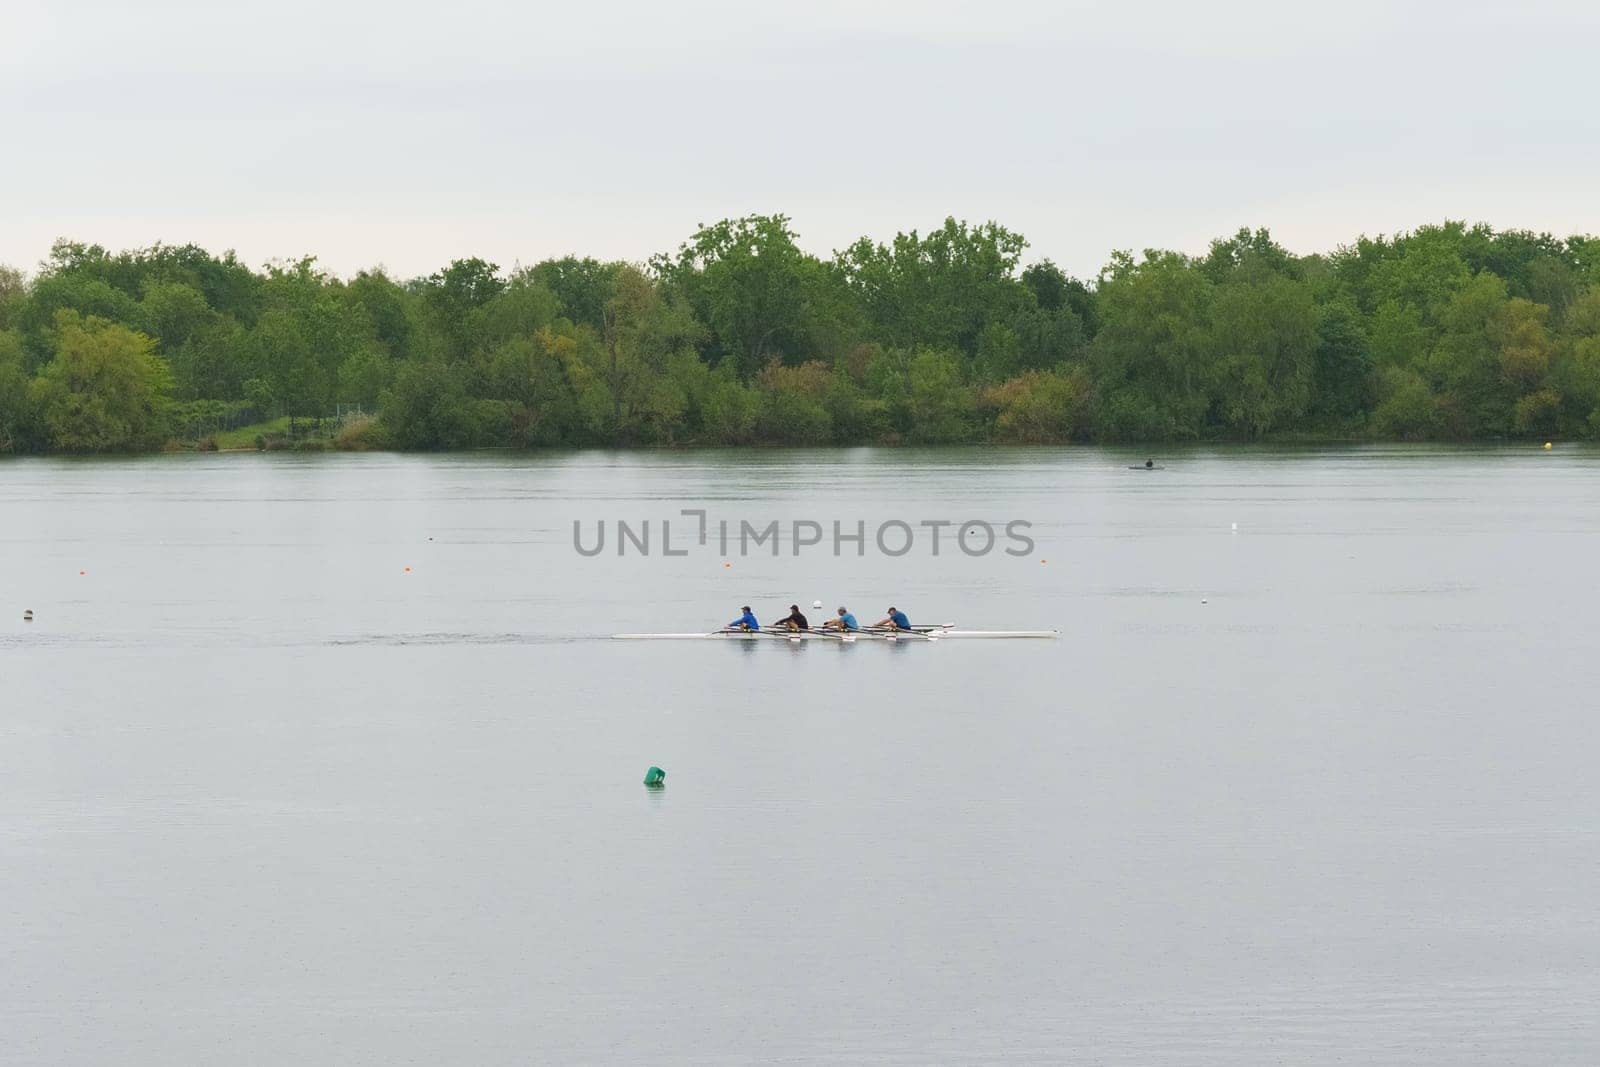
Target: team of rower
{"x": 845, "y": 622}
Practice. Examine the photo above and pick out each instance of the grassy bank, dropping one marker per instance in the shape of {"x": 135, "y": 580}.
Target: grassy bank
{"x": 245, "y": 436}
{"x": 351, "y": 434}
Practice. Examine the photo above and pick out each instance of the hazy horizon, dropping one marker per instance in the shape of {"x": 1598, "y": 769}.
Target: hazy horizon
{"x": 366, "y": 136}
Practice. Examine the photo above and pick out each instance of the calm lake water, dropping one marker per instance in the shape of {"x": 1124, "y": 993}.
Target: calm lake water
{"x": 1320, "y": 788}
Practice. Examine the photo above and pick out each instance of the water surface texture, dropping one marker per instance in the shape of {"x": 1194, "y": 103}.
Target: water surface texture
{"x": 1308, "y": 778}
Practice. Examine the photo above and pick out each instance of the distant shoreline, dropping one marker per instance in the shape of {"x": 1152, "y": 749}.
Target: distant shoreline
{"x": 1166, "y": 455}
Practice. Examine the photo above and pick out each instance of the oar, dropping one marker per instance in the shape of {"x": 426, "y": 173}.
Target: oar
{"x": 894, "y": 634}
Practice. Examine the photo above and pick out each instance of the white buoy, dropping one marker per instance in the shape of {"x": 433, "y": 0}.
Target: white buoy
{"x": 1235, "y": 527}
{"x": 816, "y": 603}
{"x": 1203, "y": 600}
{"x": 27, "y": 615}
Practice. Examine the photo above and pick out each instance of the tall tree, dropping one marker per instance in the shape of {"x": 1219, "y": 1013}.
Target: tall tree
{"x": 453, "y": 295}
{"x": 1154, "y": 352}
{"x": 581, "y": 287}
{"x": 942, "y": 290}
{"x": 13, "y": 295}
{"x": 1343, "y": 382}
{"x": 104, "y": 391}
{"x": 16, "y": 407}
{"x": 649, "y": 356}
{"x": 754, "y": 289}
{"x": 1264, "y": 338}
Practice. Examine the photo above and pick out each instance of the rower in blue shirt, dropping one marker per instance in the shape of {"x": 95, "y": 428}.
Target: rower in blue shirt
{"x": 845, "y": 621}
{"x": 747, "y": 621}
{"x": 895, "y": 620}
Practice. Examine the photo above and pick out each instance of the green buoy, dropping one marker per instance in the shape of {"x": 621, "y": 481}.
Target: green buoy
{"x": 655, "y": 777}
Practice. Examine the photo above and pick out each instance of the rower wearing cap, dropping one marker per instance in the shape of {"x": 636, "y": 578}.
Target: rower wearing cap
{"x": 845, "y": 621}
{"x": 795, "y": 621}
{"x": 747, "y": 621}
{"x": 895, "y": 620}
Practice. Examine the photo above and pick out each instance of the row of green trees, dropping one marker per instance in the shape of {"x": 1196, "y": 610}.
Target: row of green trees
{"x": 741, "y": 337}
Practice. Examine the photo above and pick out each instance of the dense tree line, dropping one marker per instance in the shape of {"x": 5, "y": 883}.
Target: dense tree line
{"x": 741, "y": 337}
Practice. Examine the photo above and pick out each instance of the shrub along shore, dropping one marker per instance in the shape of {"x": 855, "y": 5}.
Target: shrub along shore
{"x": 739, "y": 337}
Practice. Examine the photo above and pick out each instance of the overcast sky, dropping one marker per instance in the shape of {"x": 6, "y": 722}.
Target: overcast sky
{"x": 370, "y": 132}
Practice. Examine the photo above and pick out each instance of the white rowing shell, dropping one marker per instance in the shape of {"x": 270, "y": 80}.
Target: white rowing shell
{"x": 935, "y": 635}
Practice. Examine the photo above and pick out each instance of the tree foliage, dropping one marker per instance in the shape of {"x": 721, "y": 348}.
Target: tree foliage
{"x": 741, "y": 336}
{"x": 104, "y": 391}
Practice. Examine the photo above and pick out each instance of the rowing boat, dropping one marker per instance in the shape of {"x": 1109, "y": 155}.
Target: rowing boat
{"x": 922, "y": 633}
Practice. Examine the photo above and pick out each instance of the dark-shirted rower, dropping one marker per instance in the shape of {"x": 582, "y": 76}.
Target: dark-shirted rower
{"x": 795, "y": 621}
